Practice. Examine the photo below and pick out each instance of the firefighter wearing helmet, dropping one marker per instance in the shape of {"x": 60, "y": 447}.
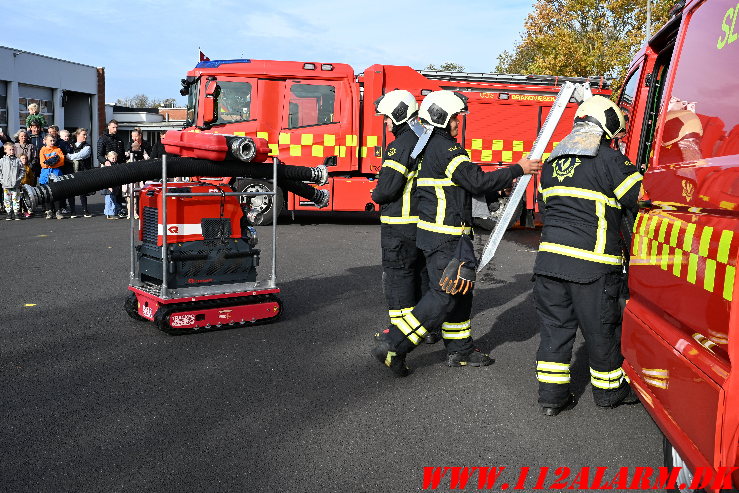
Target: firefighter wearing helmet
{"x": 585, "y": 188}
{"x": 403, "y": 265}
{"x": 446, "y": 182}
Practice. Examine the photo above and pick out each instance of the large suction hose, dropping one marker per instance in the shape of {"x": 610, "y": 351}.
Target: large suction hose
{"x": 121, "y": 174}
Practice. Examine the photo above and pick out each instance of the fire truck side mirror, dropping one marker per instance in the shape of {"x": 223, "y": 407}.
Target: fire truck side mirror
{"x": 209, "y": 104}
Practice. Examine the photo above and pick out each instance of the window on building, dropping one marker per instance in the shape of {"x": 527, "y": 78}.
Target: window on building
{"x": 311, "y": 105}
{"x": 4, "y": 113}
{"x": 45, "y": 107}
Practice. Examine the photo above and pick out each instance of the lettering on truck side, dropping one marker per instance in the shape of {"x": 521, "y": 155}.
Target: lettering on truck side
{"x": 730, "y": 34}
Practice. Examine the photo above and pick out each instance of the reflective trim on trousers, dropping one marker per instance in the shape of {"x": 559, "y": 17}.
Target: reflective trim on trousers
{"x": 409, "y": 325}
{"x": 456, "y": 330}
{"x": 552, "y": 372}
{"x": 607, "y": 380}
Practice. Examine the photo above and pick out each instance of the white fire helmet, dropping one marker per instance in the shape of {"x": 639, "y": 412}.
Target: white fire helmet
{"x": 399, "y": 105}
{"x": 438, "y": 107}
{"x": 604, "y": 113}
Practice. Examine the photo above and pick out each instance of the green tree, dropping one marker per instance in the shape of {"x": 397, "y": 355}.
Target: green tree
{"x": 580, "y": 38}
{"x": 446, "y": 67}
{"x": 144, "y": 101}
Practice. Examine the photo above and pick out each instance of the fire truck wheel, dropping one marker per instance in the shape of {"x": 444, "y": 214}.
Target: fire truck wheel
{"x": 489, "y": 223}
{"x": 672, "y": 459}
{"x": 260, "y": 210}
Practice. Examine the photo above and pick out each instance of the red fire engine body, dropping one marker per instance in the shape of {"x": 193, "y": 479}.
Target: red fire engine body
{"x": 308, "y": 112}
{"x": 681, "y": 324}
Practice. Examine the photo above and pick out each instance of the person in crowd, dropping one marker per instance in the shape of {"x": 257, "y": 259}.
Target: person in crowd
{"x": 28, "y": 179}
{"x": 35, "y": 117}
{"x": 36, "y": 137}
{"x": 112, "y": 205}
{"x": 80, "y": 159}
{"x": 54, "y": 132}
{"x": 143, "y": 149}
{"x": 111, "y": 141}
{"x": 52, "y": 161}
{"x": 157, "y": 150}
{"x": 24, "y": 146}
{"x": 11, "y": 174}
{"x": 65, "y": 143}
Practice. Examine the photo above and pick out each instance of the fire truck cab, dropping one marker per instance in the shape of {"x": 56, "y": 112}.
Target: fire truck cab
{"x": 314, "y": 113}
{"x": 680, "y": 334}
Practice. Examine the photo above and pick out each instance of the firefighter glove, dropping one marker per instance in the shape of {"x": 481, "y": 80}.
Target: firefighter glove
{"x": 457, "y": 278}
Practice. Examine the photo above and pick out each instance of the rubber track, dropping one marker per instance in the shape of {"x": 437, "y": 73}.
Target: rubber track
{"x": 161, "y": 318}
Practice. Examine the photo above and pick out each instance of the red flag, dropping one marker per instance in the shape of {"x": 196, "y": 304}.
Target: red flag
{"x": 203, "y": 58}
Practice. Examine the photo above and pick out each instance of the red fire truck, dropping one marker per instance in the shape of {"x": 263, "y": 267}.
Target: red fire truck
{"x": 681, "y": 325}
{"x": 312, "y": 113}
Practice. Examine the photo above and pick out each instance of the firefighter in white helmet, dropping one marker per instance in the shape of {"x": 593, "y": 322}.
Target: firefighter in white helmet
{"x": 403, "y": 265}
{"x": 446, "y": 182}
{"x": 586, "y": 187}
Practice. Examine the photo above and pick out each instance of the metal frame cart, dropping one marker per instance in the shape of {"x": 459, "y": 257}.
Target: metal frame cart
{"x": 183, "y": 310}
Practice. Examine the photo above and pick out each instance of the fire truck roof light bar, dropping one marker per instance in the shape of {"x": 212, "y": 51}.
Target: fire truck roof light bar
{"x": 218, "y": 63}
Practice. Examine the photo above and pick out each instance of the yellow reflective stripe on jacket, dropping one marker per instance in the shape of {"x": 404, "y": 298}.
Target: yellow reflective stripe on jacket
{"x": 435, "y": 182}
{"x": 578, "y": 253}
{"x": 600, "y": 232}
{"x": 626, "y": 185}
{"x": 407, "y": 192}
{"x": 396, "y": 166}
{"x": 440, "y": 204}
{"x": 443, "y": 228}
{"x": 580, "y": 193}
{"x": 398, "y": 219}
{"x": 452, "y": 166}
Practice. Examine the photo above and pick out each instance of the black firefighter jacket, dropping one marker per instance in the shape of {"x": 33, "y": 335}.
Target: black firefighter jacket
{"x": 583, "y": 202}
{"x": 446, "y": 182}
{"x": 396, "y": 184}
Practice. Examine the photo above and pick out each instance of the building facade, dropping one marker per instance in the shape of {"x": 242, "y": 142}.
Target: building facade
{"x": 69, "y": 94}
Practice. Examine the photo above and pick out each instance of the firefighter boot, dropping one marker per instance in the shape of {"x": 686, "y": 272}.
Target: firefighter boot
{"x": 625, "y": 396}
{"x": 385, "y": 355}
{"x": 555, "y": 409}
{"x": 472, "y": 358}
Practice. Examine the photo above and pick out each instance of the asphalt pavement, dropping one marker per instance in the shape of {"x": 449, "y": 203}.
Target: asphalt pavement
{"x": 95, "y": 401}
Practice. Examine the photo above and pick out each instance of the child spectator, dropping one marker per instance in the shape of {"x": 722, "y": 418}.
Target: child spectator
{"x": 28, "y": 179}
{"x": 52, "y": 160}
{"x": 112, "y": 207}
{"x": 11, "y": 174}
{"x": 35, "y": 117}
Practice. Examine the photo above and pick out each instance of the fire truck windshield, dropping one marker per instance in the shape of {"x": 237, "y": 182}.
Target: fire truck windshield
{"x": 234, "y": 102}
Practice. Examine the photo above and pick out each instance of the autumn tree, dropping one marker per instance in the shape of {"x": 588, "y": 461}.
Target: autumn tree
{"x": 144, "y": 101}
{"x": 446, "y": 67}
{"x": 580, "y": 38}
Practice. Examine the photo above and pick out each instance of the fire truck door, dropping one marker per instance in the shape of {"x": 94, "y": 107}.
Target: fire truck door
{"x": 314, "y": 125}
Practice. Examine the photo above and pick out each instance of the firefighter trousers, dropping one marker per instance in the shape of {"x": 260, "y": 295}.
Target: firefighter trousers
{"x": 404, "y": 276}
{"x": 562, "y": 306}
{"x": 435, "y": 310}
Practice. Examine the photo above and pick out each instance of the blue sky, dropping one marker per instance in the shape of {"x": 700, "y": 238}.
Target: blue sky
{"x": 148, "y": 46}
